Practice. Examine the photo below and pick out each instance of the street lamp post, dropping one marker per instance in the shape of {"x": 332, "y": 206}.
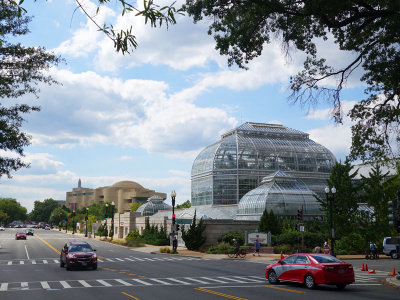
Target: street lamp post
{"x": 86, "y": 219}
{"x": 330, "y": 197}
{"x": 173, "y": 195}
{"x": 106, "y": 217}
{"x": 73, "y": 221}
{"x": 112, "y": 220}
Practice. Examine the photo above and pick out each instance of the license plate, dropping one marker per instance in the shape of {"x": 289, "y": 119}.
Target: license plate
{"x": 341, "y": 271}
{"x": 84, "y": 264}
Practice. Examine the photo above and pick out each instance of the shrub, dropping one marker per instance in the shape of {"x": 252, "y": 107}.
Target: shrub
{"x": 228, "y": 237}
{"x": 352, "y": 243}
{"x": 221, "y": 248}
{"x": 134, "y": 234}
{"x": 134, "y": 243}
{"x": 193, "y": 237}
{"x": 285, "y": 249}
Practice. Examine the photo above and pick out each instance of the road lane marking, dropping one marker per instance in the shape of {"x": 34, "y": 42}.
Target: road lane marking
{"x": 123, "y": 282}
{"x": 142, "y": 282}
{"x": 26, "y": 250}
{"x": 103, "y": 282}
{"x": 4, "y": 287}
{"x": 178, "y": 281}
{"x": 219, "y": 294}
{"x": 196, "y": 280}
{"x": 9, "y": 263}
{"x": 33, "y": 262}
{"x": 21, "y": 262}
{"x": 84, "y": 283}
{"x": 45, "y": 285}
{"x": 130, "y": 296}
{"x": 51, "y": 247}
{"x": 232, "y": 279}
{"x": 160, "y": 281}
{"x": 56, "y": 261}
{"x": 213, "y": 279}
{"x": 283, "y": 289}
{"x": 24, "y": 285}
{"x": 45, "y": 261}
{"x": 65, "y": 284}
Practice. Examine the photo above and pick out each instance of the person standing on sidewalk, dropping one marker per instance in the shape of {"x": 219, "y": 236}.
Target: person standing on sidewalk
{"x": 174, "y": 244}
{"x": 326, "y": 248}
{"x": 256, "y": 247}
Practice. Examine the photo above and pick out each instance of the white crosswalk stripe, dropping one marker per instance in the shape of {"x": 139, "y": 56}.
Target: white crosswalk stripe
{"x": 73, "y": 284}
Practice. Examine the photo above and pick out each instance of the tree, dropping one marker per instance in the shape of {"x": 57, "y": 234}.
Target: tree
{"x": 58, "y": 214}
{"x": 22, "y": 69}
{"x": 367, "y": 28}
{"x": 186, "y": 204}
{"x": 345, "y": 206}
{"x": 193, "y": 238}
{"x": 269, "y": 222}
{"x": 42, "y": 210}
{"x": 135, "y": 206}
{"x": 12, "y": 209}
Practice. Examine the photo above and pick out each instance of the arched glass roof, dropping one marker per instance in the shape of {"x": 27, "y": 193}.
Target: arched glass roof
{"x": 224, "y": 171}
{"x": 282, "y": 194}
{"x": 153, "y": 205}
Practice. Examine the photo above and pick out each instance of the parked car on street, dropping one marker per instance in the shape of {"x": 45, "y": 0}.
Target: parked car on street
{"x": 312, "y": 270}
{"x": 78, "y": 254}
{"x": 20, "y": 236}
{"x": 47, "y": 228}
{"x": 391, "y": 246}
{"x": 2, "y": 228}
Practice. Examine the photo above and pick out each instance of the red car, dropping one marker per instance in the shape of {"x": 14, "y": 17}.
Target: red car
{"x": 20, "y": 236}
{"x": 78, "y": 254}
{"x": 311, "y": 269}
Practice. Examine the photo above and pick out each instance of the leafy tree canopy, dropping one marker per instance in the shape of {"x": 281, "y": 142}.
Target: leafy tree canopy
{"x": 42, "y": 210}
{"x": 135, "y": 206}
{"x": 11, "y": 209}
{"x": 186, "y": 204}
{"x": 369, "y": 29}
{"x": 21, "y": 70}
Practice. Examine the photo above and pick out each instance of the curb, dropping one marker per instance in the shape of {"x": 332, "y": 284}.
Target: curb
{"x": 393, "y": 282}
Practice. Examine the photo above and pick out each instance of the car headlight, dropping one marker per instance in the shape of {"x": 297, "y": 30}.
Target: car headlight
{"x": 71, "y": 256}
{"x": 94, "y": 255}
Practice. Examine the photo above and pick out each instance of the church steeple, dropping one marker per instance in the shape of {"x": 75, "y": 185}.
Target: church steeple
{"x": 79, "y": 183}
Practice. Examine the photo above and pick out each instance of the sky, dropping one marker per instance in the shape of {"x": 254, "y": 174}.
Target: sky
{"x": 145, "y": 116}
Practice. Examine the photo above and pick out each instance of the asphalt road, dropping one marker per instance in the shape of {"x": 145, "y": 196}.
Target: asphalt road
{"x": 30, "y": 270}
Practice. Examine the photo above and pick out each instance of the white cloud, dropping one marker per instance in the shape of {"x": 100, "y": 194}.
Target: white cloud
{"x": 127, "y": 157}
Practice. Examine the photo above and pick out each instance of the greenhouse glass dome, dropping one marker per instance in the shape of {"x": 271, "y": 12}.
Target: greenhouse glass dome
{"x": 153, "y": 205}
{"x": 225, "y": 171}
{"x": 281, "y": 193}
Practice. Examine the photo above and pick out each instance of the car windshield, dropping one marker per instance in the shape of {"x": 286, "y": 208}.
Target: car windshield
{"x": 23, "y": 233}
{"x": 326, "y": 259}
{"x": 80, "y": 248}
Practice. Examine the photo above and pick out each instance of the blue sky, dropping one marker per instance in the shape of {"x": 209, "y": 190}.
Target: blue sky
{"x": 145, "y": 116}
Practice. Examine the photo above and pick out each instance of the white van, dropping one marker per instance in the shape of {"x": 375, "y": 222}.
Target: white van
{"x": 391, "y": 246}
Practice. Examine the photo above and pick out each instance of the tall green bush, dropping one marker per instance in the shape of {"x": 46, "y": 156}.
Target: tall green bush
{"x": 153, "y": 235}
{"x": 193, "y": 238}
{"x": 228, "y": 237}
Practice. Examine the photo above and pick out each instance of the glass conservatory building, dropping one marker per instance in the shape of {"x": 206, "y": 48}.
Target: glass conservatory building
{"x": 225, "y": 171}
{"x": 281, "y": 193}
{"x": 153, "y": 205}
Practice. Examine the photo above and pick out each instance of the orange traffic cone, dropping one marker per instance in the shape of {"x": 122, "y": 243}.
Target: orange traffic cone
{"x": 394, "y": 272}
{"x": 362, "y": 267}
{"x": 282, "y": 257}
{"x": 366, "y": 267}
{"x": 371, "y": 272}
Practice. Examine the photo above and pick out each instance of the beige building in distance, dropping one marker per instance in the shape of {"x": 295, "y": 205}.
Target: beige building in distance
{"x": 122, "y": 193}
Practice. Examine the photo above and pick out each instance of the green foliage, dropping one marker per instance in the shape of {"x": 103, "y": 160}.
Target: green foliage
{"x": 23, "y": 70}
{"x": 353, "y": 243}
{"x": 293, "y": 239}
{"x": 42, "y": 210}
{"x": 134, "y": 234}
{"x": 102, "y": 231}
{"x": 221, "y": 248}
{"x": 186, "y": 204}
{"x": 269, "y": 222}
{"x": 57, "y": 213}
{"x": 285, "y": 249}
{"x": 153, "y": 235}
{"x": 368, "y": 29}
{"x": 12, "y": 210}
{"x": 345, "y": 207}
{"x": 193, "y": 238}
{"x": 228, "y": 237}
{"x": 135, "y": 206}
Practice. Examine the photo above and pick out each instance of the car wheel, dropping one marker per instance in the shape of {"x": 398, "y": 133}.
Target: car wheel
{"x": 393, "y": 255}
{"x": 272, "y": 277}
{"x": 61, "y": 263}
{"x": 309, "y": 281}
{"x": 341, "y": 286}
{"x": 68, "y": 267}
{"x": 94, "y": 267}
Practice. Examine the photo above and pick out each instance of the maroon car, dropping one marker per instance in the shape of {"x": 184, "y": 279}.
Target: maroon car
{"x": 78, "y": 254}
{"x": 20, "y": 236}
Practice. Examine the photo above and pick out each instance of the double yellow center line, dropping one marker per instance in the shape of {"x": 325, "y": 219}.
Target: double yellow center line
{"x": 220, "y": 294}
{"x": 51, "y": 247}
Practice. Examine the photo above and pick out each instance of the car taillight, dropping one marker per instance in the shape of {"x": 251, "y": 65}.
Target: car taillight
{"x": 350, "y": 267}
{"x": 329, "y": 268}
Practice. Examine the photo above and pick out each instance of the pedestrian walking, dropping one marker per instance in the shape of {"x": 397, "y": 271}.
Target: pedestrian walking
{"x": 174, "y": 244}
{"x": 326, "y": 248}
{"x": 256, "y": 247}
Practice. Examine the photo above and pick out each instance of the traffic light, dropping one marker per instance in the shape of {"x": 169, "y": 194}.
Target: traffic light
{"x": 300, "y": 215}
{"x": 173, "y": 219}
{"x": 393, "y": 213}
